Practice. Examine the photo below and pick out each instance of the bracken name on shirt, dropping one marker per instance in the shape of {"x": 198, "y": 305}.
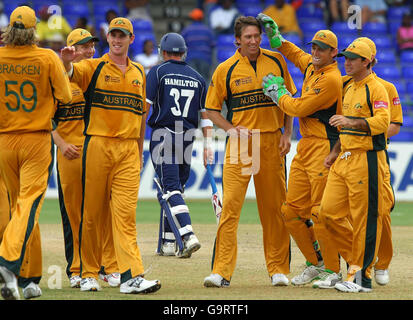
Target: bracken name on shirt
{"x": 181, "y": 82}
{"x": 20, "y": 69}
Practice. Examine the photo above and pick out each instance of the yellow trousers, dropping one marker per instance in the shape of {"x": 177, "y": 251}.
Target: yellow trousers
{"x": 69, "y": 174}
{"x": 4, "y": 208}
{"x": 385, "y": 253}
{"x": 110, "y": 180}
{"x": 268, "y": 171}
{"x": 352, "y": 210}
{"x": 306, "y": 183}
{"x": 25, "y": 163}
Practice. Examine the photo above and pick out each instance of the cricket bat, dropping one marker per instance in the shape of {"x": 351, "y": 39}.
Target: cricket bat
{"x": 215, "y": 198}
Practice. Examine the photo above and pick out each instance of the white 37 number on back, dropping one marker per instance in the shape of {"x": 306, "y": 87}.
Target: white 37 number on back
{"x": 189, "y": 94}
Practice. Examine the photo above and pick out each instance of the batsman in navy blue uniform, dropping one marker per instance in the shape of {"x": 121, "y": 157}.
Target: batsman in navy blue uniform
{"x": 177, "y": 94}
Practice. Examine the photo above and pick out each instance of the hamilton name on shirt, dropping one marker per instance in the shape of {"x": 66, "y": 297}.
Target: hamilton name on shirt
{"x": 181, "y": 82}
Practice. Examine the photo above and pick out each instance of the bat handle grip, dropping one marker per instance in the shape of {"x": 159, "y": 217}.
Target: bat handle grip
{"x": 211, "y": 178}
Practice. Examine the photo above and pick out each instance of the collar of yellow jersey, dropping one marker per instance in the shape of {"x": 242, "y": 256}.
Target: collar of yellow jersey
{"x": 107, "y": 59}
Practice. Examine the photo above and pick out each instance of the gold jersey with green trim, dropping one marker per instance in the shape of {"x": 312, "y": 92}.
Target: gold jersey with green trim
{"x": 115, "y": 101}
{"x": 321, "y": 95}
{"x": 396, "y": 112}
{"x": 32, "y": 79}
{"x": 236, "y": 82}
{"x": 69, "y": 117}
{"x": 366, "y": 99}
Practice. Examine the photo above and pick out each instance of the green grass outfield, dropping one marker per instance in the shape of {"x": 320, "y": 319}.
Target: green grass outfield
{"x": 202, "y": 213}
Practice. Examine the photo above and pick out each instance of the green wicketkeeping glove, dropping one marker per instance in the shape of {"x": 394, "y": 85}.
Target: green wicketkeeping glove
{"x": 271, "y": 29}
{"x": 274, "y": 87}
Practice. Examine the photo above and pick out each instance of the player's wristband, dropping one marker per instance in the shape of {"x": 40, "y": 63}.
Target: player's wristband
{"x": 206, "y": 123}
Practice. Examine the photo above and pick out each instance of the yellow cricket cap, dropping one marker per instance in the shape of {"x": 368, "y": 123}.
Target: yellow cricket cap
{"x": 121, "y": 24}
{"x": 357, "y": 49}
{"x": 23, "y": 17}
{"x": 370, "y": 43}
{"x": 79, "y": 36}
{"x": 325, "y": 39}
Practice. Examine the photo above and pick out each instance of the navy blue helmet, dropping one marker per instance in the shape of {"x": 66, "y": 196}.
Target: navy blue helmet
{"x": 173, "y": 42}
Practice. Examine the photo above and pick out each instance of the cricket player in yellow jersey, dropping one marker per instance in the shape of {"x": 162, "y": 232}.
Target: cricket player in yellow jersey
{"x": 320, "y": 99}
{"x": 4, "y": 208}
{"x": 114, "y": 90}
{"x": 69, "y": 138}
{"x": 31, "y": 80}
{"x": 254, "y": 124}
{"x": 352, "y": 206}
{"x": 385, "y": 254}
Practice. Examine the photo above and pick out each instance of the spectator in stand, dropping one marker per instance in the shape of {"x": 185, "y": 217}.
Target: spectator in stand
{"x": 222, "y": 18}
{"x": 148, "y": 58}
{"x": 337, "y": 10}
{"x": 56, "y": 42}
{"x": 82, "y": 23}
{"x": 104, "y": 29}
{"x": 199, "y": 39}
{"x": 372, "y": 11}
{"x": 50, "y": 24}
{"x": 4, "y": 19}
{"x": 405, "y": 33}
{"x": 285, "y": 17}
{"x": 138, "y": 10}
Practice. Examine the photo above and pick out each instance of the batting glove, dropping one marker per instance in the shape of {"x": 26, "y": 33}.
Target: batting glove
{"x": 271, "y": 29}
{"x": 274, "y": 87}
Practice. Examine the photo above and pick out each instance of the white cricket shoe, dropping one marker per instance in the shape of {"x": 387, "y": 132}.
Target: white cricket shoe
{"x": 328, "y": 280}
{"x": 140, "y": 285}
{"x": 191, "y": 244}
{"x": 89, "y": 284}
{"x": 75, "y": 281}
{"x": 113, "y": 279}
{"x": 168, "y": 249}
{"x": 215, "y": 280}
{"x": 382, "y": 277}
{"x": 32, "y": 291}
{"x": 10, "y": 290}
{"x": 309, "y": 274}
{"x": 279, "y": 280}
{"x": 349, "y": 286}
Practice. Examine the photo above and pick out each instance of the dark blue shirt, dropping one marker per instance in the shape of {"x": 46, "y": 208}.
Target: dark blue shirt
{"x": 177, "y": 93}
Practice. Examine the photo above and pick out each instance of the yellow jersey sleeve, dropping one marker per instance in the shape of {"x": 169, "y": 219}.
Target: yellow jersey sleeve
{"x": 59, "y": 80}
{"x": 322, "y": 95}
{"x": 396, "y": 112}
{"x": 379, "y": 105}
{"x": 297, "y": 56}
{"x": 217, "y": 92}
{"x": 83, "y": 72}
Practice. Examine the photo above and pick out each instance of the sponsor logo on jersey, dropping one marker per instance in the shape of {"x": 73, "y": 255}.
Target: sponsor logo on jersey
{"x": 243, "y": 81}
{"x": 317, "y": 90}
{"x": 396, "y": 101}
{"x": 358, "y": 106}
{"x": 109, "y": 78}
{"x": 380, "y": 104}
